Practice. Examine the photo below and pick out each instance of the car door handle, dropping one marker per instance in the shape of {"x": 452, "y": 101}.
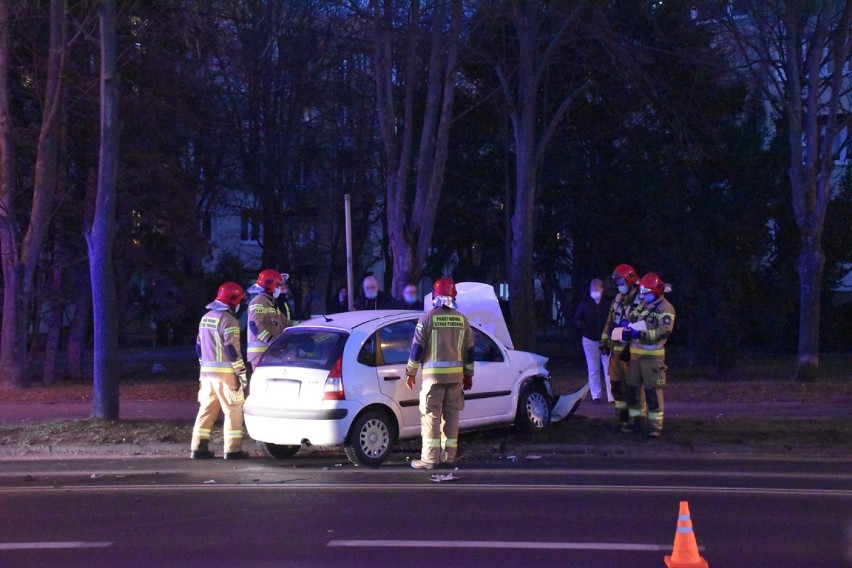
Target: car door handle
{"x": 393, "y": 378}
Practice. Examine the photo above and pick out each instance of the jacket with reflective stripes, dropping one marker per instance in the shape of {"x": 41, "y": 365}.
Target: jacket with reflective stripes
{"x": 659, "y": 317}
{"x": 618, "y": 311}
{"x": 443, "y": 344}
{"x": 265, "y": 323}
{"x": 218, "y": 347}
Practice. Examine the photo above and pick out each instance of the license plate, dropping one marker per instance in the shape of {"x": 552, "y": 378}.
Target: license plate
{"x": 284, "y": 388}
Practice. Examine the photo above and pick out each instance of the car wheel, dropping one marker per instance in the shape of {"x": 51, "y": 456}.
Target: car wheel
{"x": 277, "y": 451}
{"x": 533, "y": 409}
{"x": 371, "y": 439}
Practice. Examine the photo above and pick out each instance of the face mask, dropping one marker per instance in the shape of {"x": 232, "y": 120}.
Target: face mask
{"x": 371, "y": 294}
{"x": 623, "y": 288}
{"x": 649, "y": 297}
{"x": 276, "y": 293}
{"x": 409, "y": 298}
{"x": 596, "y": 296}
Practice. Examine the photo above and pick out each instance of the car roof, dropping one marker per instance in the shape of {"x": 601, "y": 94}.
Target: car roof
{"x": 352, "y": 320}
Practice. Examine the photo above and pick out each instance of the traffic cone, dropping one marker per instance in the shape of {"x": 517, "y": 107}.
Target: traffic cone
{"x": 685, "y": 550}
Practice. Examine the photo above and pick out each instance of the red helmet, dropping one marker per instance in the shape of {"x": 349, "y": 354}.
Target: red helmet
{"x": 444, "y": 287}
{"x": 231, "y": 293}
{"x": 270, "y": 279}
{"x": 652, "y": 283}
{"x": 627, "y": 272}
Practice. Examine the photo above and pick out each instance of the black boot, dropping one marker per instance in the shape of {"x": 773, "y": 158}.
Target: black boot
{"x": 241, "y": 455}
{"x": 202, "y": 453}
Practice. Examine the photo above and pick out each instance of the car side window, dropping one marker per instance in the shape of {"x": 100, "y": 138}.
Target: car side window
{"x": 367, "y": 355}
{"x": 485, "y": 349}
{"x": 395, "y": 342}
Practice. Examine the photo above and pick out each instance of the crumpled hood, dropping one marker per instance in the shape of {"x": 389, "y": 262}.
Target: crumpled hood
{"x": 478, "y": 302}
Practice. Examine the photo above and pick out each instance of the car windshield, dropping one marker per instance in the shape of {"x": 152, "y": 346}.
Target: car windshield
{"x": 306, "y": 348}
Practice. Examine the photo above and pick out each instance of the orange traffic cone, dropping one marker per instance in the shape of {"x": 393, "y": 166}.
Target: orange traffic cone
{"x": 685, "y": 551}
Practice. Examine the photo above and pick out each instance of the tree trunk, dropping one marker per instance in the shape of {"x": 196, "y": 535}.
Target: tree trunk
{"x": 10, "y": 349}
{"x": 20, "y": 263}
{"x": 51, "y": 372}
{"x": 105, "y": 399}
{"x": 809, "y": 266}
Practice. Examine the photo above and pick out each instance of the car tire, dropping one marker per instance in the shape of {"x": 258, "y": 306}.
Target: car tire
{"x": 371, "y": 439}
{"x": 277, "y": 451}
{"x": 534, "y": 408}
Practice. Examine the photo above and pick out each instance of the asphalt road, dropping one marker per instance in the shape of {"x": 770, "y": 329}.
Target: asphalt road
{"x": 313, "y": 512}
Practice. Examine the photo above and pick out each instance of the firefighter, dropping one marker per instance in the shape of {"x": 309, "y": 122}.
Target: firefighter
{"x": 223, "y": 374}
{"x": 648, "y": 353}
{"x": 443, "y": 344}
{"x": 625, "y": 278}
{"x": 265, "y": 321}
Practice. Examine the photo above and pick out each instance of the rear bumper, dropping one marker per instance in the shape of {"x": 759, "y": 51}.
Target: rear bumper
{"x": 321, "y": 426}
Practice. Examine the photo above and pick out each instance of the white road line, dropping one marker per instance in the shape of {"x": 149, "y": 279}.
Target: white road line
{"x": 612, "y": 546}
{"x": 51, "y": 545}
{"x": 462, "y": 487}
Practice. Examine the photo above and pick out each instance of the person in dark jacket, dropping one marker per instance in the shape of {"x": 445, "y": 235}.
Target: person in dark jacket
{"x": 340, "y": 303}
{"x": 410, "y": 299}
{"x": 373, "y": 298}
{"x": 589, "y": 320}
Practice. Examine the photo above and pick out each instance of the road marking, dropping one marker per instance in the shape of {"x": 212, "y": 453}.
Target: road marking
{"x": 421, "y": 487}
{"x": 51, "y": 545}
{"x": 611, "y": 546}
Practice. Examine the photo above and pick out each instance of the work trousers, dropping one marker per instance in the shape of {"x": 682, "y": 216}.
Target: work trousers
{"x": 598, "y": 366}
{"x": 647, "y": 374}
{"x": 440, "y": 405}
{"x": 214, "y": 395}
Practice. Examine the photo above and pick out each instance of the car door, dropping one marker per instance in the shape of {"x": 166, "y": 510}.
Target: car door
{"x": 392, "y": 346}
{"x": 491, "y": 394}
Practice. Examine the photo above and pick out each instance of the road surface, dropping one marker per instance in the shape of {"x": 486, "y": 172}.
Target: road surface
{"x": 322, "y": 512}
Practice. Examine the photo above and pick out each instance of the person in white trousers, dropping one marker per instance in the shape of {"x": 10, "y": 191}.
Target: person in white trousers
{"x": 589, "y": 320}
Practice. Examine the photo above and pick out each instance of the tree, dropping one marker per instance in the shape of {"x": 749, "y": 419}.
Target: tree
{"x": 20, "y": 259}
{"x": 532, "y": 35}
{"x": 796, "y": 55}
{"x": 397, "y": 69}
{"x": 105, "y": 401}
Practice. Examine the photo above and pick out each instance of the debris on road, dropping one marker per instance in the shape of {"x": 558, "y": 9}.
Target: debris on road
{"x": 438, "y": 478}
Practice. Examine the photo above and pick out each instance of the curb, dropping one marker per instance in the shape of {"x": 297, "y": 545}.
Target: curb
{"x": 520, "y": 452}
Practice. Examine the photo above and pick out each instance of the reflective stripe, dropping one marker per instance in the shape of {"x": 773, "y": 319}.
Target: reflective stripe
{"x": 684, "y": 529}
{"x": 461, "y": 344}
{"x": 216, "y": 364}
{"x": 440, "y": 364}
{"x": 620, "y": 405}
{"x": 218, "y": 370}
{"x": 683, "y": 517}
{"x": 232, "y": 330}
{"x": 443, "y": 371}
{"x": 655, "y": 415}
{"x": 431, "y": 443}
{"x": 234, "y": 434}
{"x": 434, "y": 345}
{"x": 635, "y": 413}
{"x": 418, "y": 327}
{"x": 451, "y": 443}
{"x": 414, "y": 364}
{"x": 618, "y": 347}
{"x": 648, "y": 352}
{"x": 261, "y": 349}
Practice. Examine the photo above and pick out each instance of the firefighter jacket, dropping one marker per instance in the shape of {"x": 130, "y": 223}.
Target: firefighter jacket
{"x": 618, "y": 312}
{"x": 265, "y": 323}
{"x": 443, "y": 344}
{"x": 218, "y": 346}
{"x": 659, "y": 317}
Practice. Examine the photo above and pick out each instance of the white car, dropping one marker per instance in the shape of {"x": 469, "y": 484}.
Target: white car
{"x": 339, "y": 380}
